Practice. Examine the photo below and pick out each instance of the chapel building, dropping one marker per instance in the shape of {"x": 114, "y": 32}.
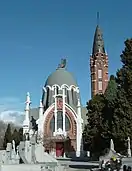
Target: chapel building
{"x": 61, "y": 117}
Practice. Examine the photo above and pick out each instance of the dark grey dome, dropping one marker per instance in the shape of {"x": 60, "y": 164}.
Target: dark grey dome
{"x": 60, "y": 77}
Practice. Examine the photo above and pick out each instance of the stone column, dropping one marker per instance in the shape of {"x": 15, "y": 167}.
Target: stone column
{"x": 26, "y": 122}
{"x": 55, "y": 111}
{"x": 28, "y": 102}
{"x": 40, "y": 124}
{"x": 64, "y": 129}
{"x": 78, "y": 140}
{"x": 79, "y": 130}
{"x": 45, "y": 96}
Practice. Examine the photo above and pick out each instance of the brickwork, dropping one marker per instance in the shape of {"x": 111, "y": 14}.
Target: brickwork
{"x": 71, "y": 134}
{"x": 98, "y": 61}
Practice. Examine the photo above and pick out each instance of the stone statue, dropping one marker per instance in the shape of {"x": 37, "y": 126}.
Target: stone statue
{"x": 62, "y": 64}
{"x": 34, "y": 125}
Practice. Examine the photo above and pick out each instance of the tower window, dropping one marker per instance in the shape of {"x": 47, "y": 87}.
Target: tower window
{"x": 99, "y": 73}
{"x": 100, "y": 85}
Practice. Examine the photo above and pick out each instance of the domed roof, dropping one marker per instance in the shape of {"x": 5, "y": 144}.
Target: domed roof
{"x": 60, "y": 77}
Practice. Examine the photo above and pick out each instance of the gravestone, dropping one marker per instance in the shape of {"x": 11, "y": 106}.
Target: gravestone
{"x": 110, "y": 154}
{"x": 129, "y": 148}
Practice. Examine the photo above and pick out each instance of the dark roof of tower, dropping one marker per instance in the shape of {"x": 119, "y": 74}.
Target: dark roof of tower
{"x": 98, "y": 44}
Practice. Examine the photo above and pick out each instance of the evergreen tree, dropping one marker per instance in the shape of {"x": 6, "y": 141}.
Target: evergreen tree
{"x": 110, "y": 99}
{"x": 115, "y": 114}
{"x": 20, "y": 134}
{"x": 100, "y": 119}
{"x": 121, "y": 122}
{"x": 111, "y": 91}
{"x": 124, "y": 75}
{"x": 95, "y": 131}
{"x": 110, "y": 116}
{"x": 123, "y": 106}
{"x": 7, "y": 137}
{"x": 15, "y": 137}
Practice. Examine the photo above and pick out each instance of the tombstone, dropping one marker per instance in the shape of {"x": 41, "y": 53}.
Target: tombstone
{"x": 110, "y": 154}
{"x": 129, "y": 148}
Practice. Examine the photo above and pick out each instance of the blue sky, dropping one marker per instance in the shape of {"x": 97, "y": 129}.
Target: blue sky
{"x": 36, "y": 34}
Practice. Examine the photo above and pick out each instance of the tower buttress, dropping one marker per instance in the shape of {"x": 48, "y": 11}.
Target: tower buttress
{"x": 98, "y": 64}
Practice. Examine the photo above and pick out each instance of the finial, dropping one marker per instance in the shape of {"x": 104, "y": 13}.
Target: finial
{"x": 97, "y": 18}
{"x": 28, "y": 94}
{"x": 28, "y": 98}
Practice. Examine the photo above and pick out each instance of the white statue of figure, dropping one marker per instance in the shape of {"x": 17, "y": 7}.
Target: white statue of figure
{"x": 129, "y": 147}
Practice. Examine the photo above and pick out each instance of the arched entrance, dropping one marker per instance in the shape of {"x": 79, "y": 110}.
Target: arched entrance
{"x": 59, "y": 143}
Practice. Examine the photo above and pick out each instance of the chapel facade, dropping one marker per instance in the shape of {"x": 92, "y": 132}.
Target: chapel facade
{"x": 60, "y": 117}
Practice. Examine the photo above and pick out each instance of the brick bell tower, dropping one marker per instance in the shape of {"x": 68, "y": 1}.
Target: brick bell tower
{"x": 98, "y": 64}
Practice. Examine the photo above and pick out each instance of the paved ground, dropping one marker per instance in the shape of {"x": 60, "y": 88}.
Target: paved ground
{"x": 74, "y": 165}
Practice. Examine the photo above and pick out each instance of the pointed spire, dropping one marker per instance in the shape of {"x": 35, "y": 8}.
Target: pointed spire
{"x": 28, "y": 98}
{"x": 98, "y": 44}
{"x": 28, "y": 102}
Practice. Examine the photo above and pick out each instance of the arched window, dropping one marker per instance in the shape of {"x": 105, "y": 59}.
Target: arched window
{"x": 75, "y": 98}
{"x": 57, "y": 90}
{"x": 72, "y": 93}
{"x": 47, "y": 100}
{"x": 52, "y": 124}
{"x": 60, "y": 122}
{"x": 67, "y": 96}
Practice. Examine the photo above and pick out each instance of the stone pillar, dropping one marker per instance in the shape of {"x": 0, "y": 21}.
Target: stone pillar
{"x": 40, "y": 110}
{"x": 40, "y": 124}
{"x": 64, "y": 127}
{"x": 28, "y": 102}
{"x": 55, "y": 111}
{"x": 45, "y": 96}
{"x": 26, "y": 122}
{"x": 79, "y": 130}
